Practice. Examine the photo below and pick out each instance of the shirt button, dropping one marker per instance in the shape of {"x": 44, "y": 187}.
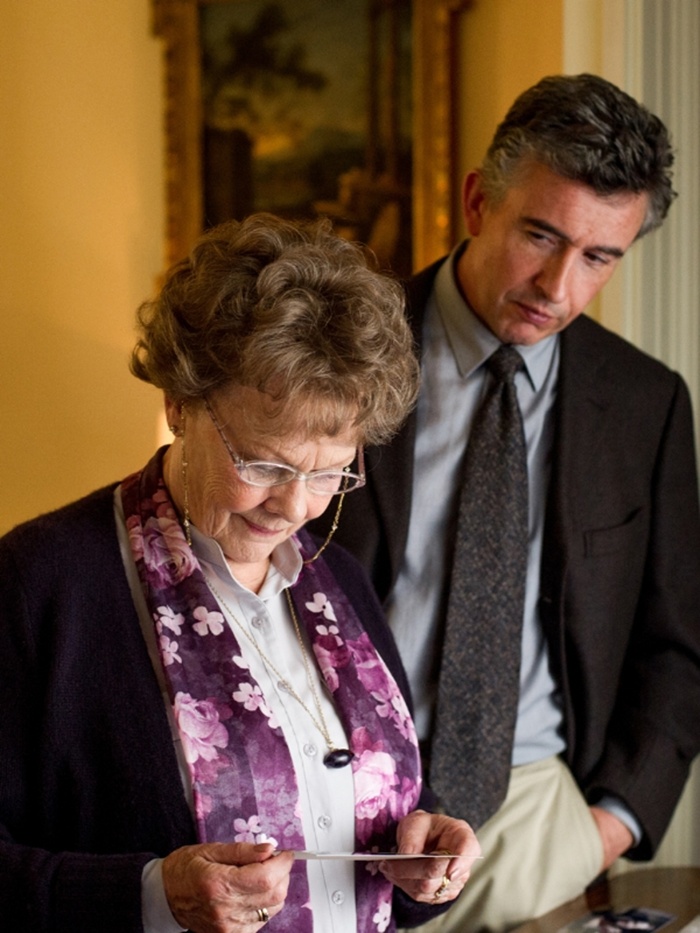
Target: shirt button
{"x": 257, "y": 622}
{"x": 310, "y": 750}
{"x": 325, "y": 821}
{"x": 338, "y": 897}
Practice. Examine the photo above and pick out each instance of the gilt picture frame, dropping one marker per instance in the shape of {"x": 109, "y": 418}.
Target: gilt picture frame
{"x": 433, "y": 37}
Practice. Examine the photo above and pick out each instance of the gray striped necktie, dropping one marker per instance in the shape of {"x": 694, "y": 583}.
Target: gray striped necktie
{"x": 479, "y": 675}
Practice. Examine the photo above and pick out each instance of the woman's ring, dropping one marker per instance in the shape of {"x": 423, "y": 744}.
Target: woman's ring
{"x": 444, "y": 885}
{"x": 263, "y": 915}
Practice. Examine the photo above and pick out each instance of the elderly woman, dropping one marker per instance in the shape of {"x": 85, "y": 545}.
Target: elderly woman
{"x": 198, "y": 696}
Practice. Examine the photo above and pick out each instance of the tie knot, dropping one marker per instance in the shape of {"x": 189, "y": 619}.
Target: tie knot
{"x": 505, "y": 363}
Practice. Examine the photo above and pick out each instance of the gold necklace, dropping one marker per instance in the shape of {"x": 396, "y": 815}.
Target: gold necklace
{"x": 335, "y": 757}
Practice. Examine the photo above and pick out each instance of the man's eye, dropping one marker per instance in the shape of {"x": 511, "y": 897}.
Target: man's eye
{"x": 598, "y": 259}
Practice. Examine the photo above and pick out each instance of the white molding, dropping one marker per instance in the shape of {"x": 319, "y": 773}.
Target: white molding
{"x": 662, "y": 300}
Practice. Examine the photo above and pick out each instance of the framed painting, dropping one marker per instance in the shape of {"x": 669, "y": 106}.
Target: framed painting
{"x": 307, "y": 108}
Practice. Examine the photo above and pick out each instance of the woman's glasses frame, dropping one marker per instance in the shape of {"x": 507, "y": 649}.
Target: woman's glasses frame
{"x": 346, "y": 479}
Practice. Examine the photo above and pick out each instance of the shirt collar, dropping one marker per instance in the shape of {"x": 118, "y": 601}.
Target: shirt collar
{"x": 285, "y": 564}
{"x": 471, "y": 342}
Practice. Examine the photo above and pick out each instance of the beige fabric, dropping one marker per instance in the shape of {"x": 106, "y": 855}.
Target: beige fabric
{"x": 541, "y": 849}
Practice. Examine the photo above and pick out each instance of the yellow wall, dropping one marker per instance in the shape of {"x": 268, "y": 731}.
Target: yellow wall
{"x": 506, "y": 46}
{"x": 81, "y": 245}
{"x": 81, "y": 188}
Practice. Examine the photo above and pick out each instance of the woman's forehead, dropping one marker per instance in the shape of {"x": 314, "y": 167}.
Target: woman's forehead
{"x": 296, "y": 420}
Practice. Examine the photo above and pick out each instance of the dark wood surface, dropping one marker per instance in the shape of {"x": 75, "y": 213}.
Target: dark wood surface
{"x": 673, "y": 890}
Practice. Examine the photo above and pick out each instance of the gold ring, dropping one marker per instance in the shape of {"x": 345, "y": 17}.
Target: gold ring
{"x": 444, "y": 885}
{"x": 263, "y": 915}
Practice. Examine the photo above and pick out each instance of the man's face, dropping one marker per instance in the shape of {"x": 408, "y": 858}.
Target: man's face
{"x": 539, "y": 256}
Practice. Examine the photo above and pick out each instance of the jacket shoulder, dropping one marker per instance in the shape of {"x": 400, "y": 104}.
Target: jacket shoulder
{"x": 65, "y": 537}
{"x": 586, "y": 336}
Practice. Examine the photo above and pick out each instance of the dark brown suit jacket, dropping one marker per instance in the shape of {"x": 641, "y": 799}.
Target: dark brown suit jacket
{"x": 620, "y": 581}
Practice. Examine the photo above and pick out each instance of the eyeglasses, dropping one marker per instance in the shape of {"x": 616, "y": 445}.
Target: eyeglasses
{"x": 265, "y": 473}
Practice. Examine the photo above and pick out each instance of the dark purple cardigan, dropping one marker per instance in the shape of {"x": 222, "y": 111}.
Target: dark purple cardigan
{"x": 89, "y": 785}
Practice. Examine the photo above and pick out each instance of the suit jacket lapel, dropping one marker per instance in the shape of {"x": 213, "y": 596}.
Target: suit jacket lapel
{"x": 582, "y": 411}
{"x": 392, "y": 465}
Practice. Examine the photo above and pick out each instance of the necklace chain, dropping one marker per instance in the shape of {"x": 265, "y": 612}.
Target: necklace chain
{"x": 320, "y": 723}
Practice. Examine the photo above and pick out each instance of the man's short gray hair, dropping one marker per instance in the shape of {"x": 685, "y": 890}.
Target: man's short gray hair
{"x": 585, "y": 129}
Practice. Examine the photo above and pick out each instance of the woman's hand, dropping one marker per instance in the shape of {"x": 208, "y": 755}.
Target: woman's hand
{"x": 432, "y": 880}
{"x": 226, "y": 887}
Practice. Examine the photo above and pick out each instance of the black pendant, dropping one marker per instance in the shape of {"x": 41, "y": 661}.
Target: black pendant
{"x": 338, "y": 758}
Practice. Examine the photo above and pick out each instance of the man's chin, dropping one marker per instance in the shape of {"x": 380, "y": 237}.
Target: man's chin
{"x": 526, "y": 335}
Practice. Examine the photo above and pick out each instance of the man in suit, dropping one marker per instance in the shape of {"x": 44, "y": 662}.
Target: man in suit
{"x": 608, "y": 716}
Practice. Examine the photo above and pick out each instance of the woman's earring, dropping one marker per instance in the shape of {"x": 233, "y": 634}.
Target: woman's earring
{"x": 186, "y": 492}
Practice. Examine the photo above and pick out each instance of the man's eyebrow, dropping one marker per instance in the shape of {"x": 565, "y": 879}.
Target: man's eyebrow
{"x": 612, "y": 251}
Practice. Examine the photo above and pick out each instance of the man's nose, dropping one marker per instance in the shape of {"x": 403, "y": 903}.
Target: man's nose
{"x": 555, "y": 278}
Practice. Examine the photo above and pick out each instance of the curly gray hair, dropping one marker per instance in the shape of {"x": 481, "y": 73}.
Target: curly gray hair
{"x": 289, "y": 309}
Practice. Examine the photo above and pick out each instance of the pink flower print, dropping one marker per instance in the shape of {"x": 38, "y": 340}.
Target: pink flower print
{"x": 246, "y": 829}
{"x": 331, "y": 632}
{"x": 331, "y": 653}
{"x": 322, "y": 604}
{"x": 404, "y": 799}
{"x": 402, "y": 719}
{"x": 382, "y": 918}
{"x": 208, "y": 771}
{"x": 163, "y": 507}
{"x": 240, "y": 662}
{"x": 203, "y": 805}
{"x": 172, "y": 620}
{"x": 250, "y": 696}
{"x": 375, "y": 776}
{"x": 374, "y": 772}
{"x": 385, "y": 707}
{"x": 166, "y": 554}
{"x": 272, "y": 720}
{"x": 207, "y": 621}
{"x": 133, "y": 527}
{"x": 361, "y": 741}
{"x": 370, "y": 668}
{"x": 168, "y": 651}
{"x": 392, "y": 705}
{"x": 326, "y": 662}
{"x": 200, "y": 728}
{"x": 251, "y": 831}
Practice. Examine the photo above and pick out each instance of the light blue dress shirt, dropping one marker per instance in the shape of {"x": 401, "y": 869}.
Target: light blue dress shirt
{"x": 455, "y": 347}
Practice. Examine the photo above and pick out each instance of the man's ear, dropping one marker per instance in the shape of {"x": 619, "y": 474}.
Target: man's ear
{"x": 473, "y": 202}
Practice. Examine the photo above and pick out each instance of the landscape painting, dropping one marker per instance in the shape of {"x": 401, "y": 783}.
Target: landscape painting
{"x": 306, "y": 111}
{"x": 342, "y": 108}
